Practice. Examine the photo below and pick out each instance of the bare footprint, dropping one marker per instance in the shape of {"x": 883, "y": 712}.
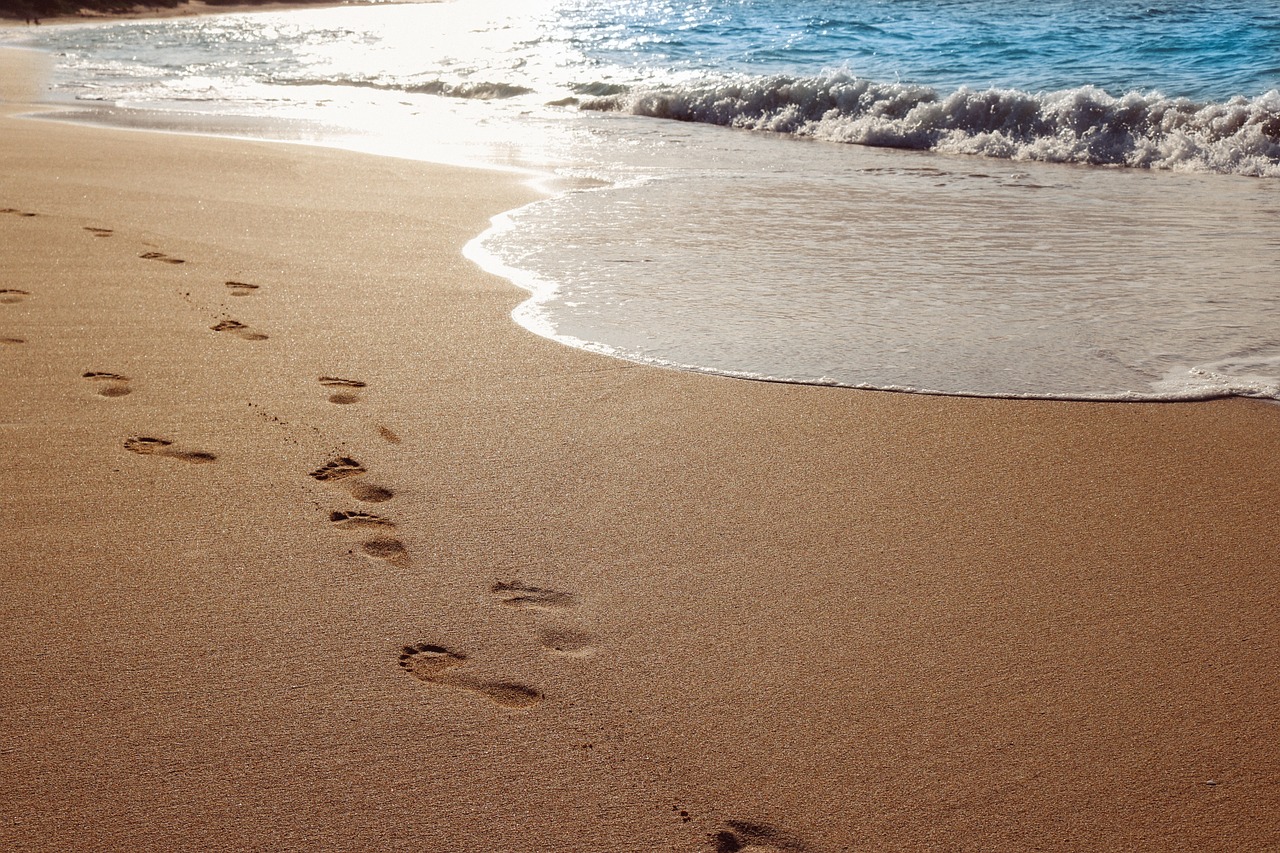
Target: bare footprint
{"x": 239, "y": 288}
{"x": 12, "y": 294}
{"x": 748, "y": 835}
{"x": 346, "y": 387}
{"x": 391, "y": 550}
{"x": 338, "y": 469}
{"x": 161, "y": 447}
{"x": 109, "y": 384}
{"x": 354, "y": 518}
{"x": 370, "y": 493}
{"x": 434, "y": 664}
{"x": 240, "y": 330}
{"x": 99, "y": 232}
{"x": 519, "y": 594}
{"x": 162, "y": 257}
{"x": 565, "y": 641}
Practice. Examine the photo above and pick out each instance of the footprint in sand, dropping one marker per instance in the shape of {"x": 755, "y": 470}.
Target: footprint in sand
{"x": 355, "y": 518}
{"x": 343, "y": 468}
{"x": 391, "y": 550}
{"x": 162, "y": 257}
{"x": 160, "y": 447}
{"x": 380, "y": 548}
{"x": 370, "y": 493}
{"x": 748, "y": 836}
{"x": 13, "y": 211}
{"x": 346, "y": 389}
{"x": 109, "y": 384}
{"x": 239, "y": 288}
{"x": 519, "y": 594}
{"x": 11, "y": 341}
{"x": 434, "y": 664}
{"x": 12, "y": 294}
{"x": 338, "y": 469}
{"x": 388, "y": 435}
{"x": 99, "y": 232}
{"x": 565, "y": 641}
{"x": 240, "y": 330}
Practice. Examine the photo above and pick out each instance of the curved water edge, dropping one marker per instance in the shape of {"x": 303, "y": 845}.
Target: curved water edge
{"x": 921, "y": 274}
{"x": 1194, "y": 384}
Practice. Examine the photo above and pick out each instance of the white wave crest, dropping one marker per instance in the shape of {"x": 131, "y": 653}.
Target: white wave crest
{"x": 1084, "y": 125}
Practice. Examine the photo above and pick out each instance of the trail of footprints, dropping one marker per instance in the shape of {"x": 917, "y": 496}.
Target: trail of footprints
{"x": 440, "y": 665}
{"x": 432, "y": 662}
{"x": 428, "y": 662}
{"x": 383, "y": 546}
{"x": 232, "y": 327}
{"x": 437, "y": 664}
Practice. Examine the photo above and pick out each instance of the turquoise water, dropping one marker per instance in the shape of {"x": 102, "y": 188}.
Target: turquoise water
{"x": 1206, "y": 51}
{"x": 1037, "y": 199}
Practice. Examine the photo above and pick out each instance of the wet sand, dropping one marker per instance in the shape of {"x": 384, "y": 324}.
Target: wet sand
{"x": 306, "y": 545}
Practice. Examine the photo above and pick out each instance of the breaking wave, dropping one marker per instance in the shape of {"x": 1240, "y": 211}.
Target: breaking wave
{"x": 1084, "y": 125}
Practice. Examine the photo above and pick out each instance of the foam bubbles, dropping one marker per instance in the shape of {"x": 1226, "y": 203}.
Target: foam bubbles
{"x": 1082, "y": 125}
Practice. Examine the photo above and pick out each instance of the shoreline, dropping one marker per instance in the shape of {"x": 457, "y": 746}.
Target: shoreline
{"x": 408, "y": 576}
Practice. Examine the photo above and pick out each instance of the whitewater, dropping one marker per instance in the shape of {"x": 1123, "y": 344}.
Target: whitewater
{"x": 1060, "y": 199}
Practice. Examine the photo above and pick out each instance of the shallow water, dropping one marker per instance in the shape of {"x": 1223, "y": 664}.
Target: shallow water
{"x": 780, "y": 254}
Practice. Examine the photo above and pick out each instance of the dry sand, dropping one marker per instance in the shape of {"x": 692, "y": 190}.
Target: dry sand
{"x": 566, "y": 603}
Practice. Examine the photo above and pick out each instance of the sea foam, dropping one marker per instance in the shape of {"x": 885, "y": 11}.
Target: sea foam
{"x": 1082, "y": 125}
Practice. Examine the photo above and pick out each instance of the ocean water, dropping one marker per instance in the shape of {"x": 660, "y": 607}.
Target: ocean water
{"x": 1060, "y": 198}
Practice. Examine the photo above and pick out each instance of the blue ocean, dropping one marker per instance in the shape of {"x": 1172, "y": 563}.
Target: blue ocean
{"x": 1060, "y": 198}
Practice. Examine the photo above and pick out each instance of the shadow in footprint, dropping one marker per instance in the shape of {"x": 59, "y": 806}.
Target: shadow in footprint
{"x": 436, "y": 664}
{"x": 391, "y": 550}
{"x": 162, "y": 257}
{"x": 13, "y": 211}
{"x": 99, "y": 232}
{"x": 240, "y": 330}
{"x": 239, "y": 288}
{"x": 370, "y": 493}
{"x": 109, "y": 384}
{"x": 519, "y": 594}
{"x": 565, "y": 641}
{"x": 12, "y": 294}
{"x": 12, "y": 341}
{"x": 748, "y": 835}
{"x": 148, "y": 446}
{"x": 346, "y": 388}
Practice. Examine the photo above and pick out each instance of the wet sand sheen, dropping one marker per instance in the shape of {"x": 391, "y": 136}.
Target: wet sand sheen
{"x": 596, "y": 609}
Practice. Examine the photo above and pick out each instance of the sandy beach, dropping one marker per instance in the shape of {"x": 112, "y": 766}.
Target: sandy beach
{"x": 307, "y": 546}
